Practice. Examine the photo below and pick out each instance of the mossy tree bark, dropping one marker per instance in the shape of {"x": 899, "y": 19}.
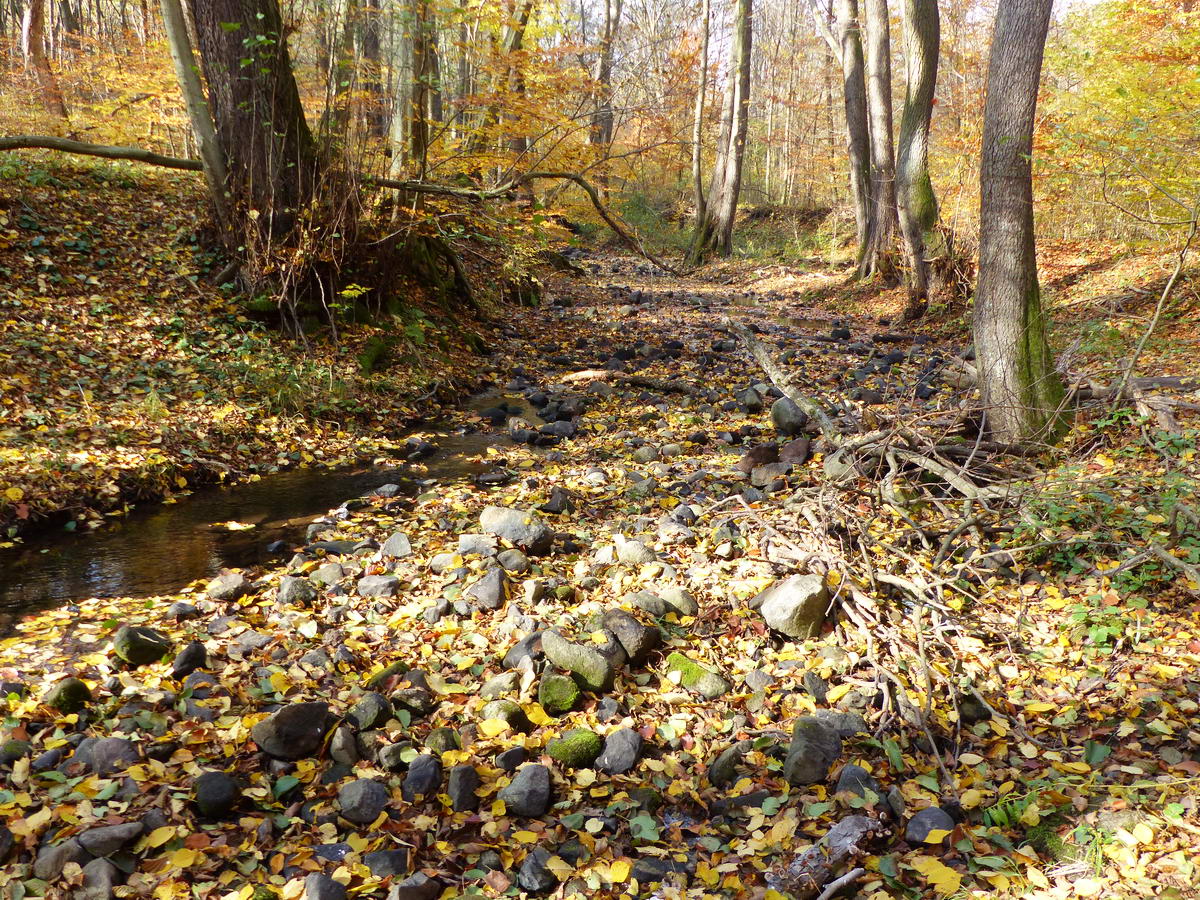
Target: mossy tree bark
{"x": 1021, "y": 389}
{"x": 915, "y": 197}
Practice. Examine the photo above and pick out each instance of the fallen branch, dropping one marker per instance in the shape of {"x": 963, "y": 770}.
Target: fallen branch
{"x": 65, "y": 145}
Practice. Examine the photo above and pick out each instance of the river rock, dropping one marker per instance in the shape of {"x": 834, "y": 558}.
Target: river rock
{"x": 442, "y": 740}
{"x": 529, "y": 646}
{"x": 362, "y": 800}
{"x": 925, "y": 821}
{"x": 112, "y": 755}
{"x": 371, "y": 711}
{"x": 321, "y": 887}
{"x": 846, "y": 723}
{"x": 68, "y": 696}
{"x": 423, "y": 779}
{"x": 594, "y": 670}
{"x": 528, "y": 794}
{"x": 535, "y": 876}
{"x": 637, "y": 640}
{"x": 216, "y": 794}
{"x": 788, "y": 418}
{"x": 511, "y": 759}
{"x": 490, "y": 591}
{"x": 108, "y": 839}
{"x": 695, "y": 677}
{"x": 397, "y": 546}
{"x": 188, "y": 660}
{"x": 378, "y": 586}
{"x": 505, "y": 711}
{"x": 180, "y": 611}
{"x": 634, "y": 553}
{"x": 621, "y": 752}
{"x": 758, "y": 455}
{"x": 417, "y": 886}
{"x": 576, "y": 749}
{"x": 499, "y": 685}
{"x": 140, "y": 646}
{"x": 228, "y": 587}
{"x": 520, "y": 528}
{"x": 653, "y": 869}
{"x": 294, "y": 732}
{"x": 814, "y": 748}
{"x": 52, "y": 857}
{"x": 99, "y": 878}
{"x": 795, "y": 606}
{"x": 296, "y": 591}
{"x": 857, "y": 780}
{"x": 679, "y": 599}
{"x": 387, "y": 863}
{"x": 557, "y": 694}
{"x": 796, "y": 452}
{"x": 464, "y": 781}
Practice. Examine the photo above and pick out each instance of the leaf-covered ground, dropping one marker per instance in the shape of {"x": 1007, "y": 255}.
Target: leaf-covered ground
{"x": 1043, "y": 696}
{"x": 124, "y": 377}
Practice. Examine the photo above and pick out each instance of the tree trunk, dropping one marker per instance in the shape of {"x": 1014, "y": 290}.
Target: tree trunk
{"x": 715, "y": 231}
{"x": 180, "y": 46}
{"x": 269, "y": 152}
{"x": 370, "y": 33}
{"x": 917, "y": 202}
{"x": 1021, "y": 389}
{"x": 698, "y": 116}
{"x": 422, "y": 76}
{"x": 33, "y": 45}
{"x": 877, "y": 258}
{"x": 601, "y": 132}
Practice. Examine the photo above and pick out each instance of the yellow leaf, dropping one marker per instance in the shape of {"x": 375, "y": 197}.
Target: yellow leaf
{"x": 971, "y": 798}
{"x": 183, "y": 857}
{"x": 14, "y": 494}
{"x": 619, "y": 871}
{"x": 1039, "y": 707}
{"x": 159, "y": 836}
{"x": 940, "y": 876}
{"x": 537, "y": 715}
{"x": 1143, "y": 832}
{"x": 493, "y": 727}
{"x": 525, "y": 837}
{"x": 560, "y": 867}
{"x": 1031, "y": 816}
{"x": 936, "y": 835}
{"x": 836, "y": 693}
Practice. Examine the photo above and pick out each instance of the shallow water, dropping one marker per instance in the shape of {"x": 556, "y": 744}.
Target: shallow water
{"x": 160, "y": 548}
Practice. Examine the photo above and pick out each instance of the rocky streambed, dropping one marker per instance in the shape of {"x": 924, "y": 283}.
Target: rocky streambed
{"x": 575, "y": 671}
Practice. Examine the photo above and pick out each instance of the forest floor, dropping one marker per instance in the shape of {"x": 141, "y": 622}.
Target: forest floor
{"x": 1001, "y": 701}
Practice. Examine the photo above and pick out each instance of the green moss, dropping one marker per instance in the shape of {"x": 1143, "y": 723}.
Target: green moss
{"x": 558, "y": 694}
{"x": 506, "y": 711}
{"x": 69, "y": 695}
{"x": 442, "y": 739}
{"x": 695, "y": 677}
{"x": 577, "y": 749}
{"x": 396, "y": 668}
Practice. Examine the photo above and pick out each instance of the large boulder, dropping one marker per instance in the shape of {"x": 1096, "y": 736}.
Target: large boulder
{"x": 788, "y": 418}
{"x": 68, "y": 696}
{"x": 362, "y": 800}
{"x": 215, "y": 794}
{"x": 294, "y": 732}
{"x": 520, "y": 528}
{"x": 638, "y": 640}
{"x": 621, "y": 751}
{"x": 795, "y": 606}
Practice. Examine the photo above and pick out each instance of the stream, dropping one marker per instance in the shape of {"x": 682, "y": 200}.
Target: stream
{"x": 161, "y": 547}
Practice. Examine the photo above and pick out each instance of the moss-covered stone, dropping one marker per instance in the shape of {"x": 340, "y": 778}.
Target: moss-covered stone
{"x": 379, "y": 678}
{"x": 577, "y": 749}
{"x": 69, "y": 695}
{"x": 695, "y": 677}
{"x": 558, "y": 694}
{"x": 140, "y": 646}
{"x": 506, "y": 711}
{"x": 441, "y": 740}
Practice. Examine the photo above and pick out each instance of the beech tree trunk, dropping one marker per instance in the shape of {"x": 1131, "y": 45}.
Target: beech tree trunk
{"x": 714, "y": 233}
{"x": 915, "y": 197}
{"x": 1021, "y": 389}
{"x": 877, "y": 256}
{"x": 698, "y": 116}
{"x": 269, "y": 153}
{"x": 33, "y": 45}
{"x": 854, "y": 93}
{"x": 215, "y": 173}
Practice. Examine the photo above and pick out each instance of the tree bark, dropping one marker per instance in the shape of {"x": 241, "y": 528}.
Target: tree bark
{"x": 1021, "y": 389}
{"x": 698, "y": 116}
{"x": 33, "y": 45}
{"x": 264, "y": 138}
{"x": 917, "y": 202}
{"x": 714, "y": 233}
{"x": 877, "y": 256}
{"x": 188, "y": 76}
{"x": 601, "y": 132}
